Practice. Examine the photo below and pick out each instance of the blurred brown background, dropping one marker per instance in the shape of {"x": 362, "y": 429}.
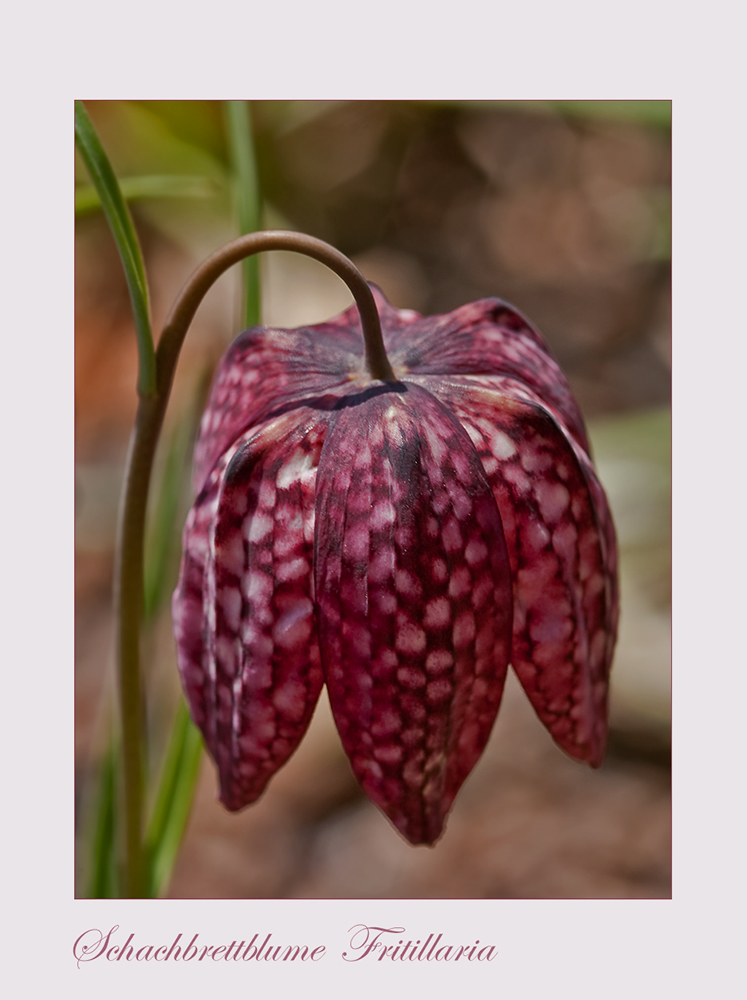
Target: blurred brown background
{"x": 563, "y": 209}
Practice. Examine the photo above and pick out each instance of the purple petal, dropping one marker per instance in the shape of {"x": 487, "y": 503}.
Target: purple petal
{"x": 267, "y": 371}
{"x": 414, "y": 599}
{"x": 260, "y": 670}
{"x": 488, "y": 337}
{"x": 188, "y": 606}
{"x": 563, "y": 558}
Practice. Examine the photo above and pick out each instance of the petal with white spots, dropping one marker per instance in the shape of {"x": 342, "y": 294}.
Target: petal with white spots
{"x": 396, "y": 642}
{"x": 260, "y": 656}
{"x": 562, "y": 549}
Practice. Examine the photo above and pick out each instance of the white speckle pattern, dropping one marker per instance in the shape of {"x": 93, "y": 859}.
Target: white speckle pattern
{"x": 437, "y": 613}
{"x": 564, "y": 568}
{"x": 420, "y": 657}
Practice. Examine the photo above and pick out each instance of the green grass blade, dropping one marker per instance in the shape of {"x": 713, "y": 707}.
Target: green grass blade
{"x": 173, "y": 800}
{"x": 147, "y": 186}
{"x": 244, "y": 162}
{"x": 103, "y": 877}
{"x": 120, "y": 223}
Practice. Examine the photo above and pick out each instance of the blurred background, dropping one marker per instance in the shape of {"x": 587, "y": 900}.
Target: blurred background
{"x": 563, "y": 209}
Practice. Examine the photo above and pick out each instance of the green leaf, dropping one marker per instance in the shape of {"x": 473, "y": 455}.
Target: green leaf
{"x": 173, "y": 800}
{"x": 248, "y": 204}
{"x": 125, "y": 237}
{"x": 151, "y": 186}
{"x": 103, "y": 878}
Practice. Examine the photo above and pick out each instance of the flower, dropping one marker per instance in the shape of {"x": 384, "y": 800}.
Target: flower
{"x": 401, "y": 542}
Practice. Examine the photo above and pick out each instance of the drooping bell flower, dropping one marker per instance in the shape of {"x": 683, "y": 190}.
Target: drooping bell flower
{"x": 402, "y": 542}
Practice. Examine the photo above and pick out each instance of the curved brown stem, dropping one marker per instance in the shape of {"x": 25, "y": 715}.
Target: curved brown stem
{"x": 206, "y": 274}
{"x": 128, "y": 584}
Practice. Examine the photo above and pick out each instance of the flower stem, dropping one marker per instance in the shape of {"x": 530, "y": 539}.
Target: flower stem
{"x": 129, "y": 584}
{"x": 377, "y": 363}
{"x": 129, "y": 604}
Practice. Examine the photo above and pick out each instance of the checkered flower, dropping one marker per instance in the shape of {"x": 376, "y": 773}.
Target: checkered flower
{"x": 401, "y": 542}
